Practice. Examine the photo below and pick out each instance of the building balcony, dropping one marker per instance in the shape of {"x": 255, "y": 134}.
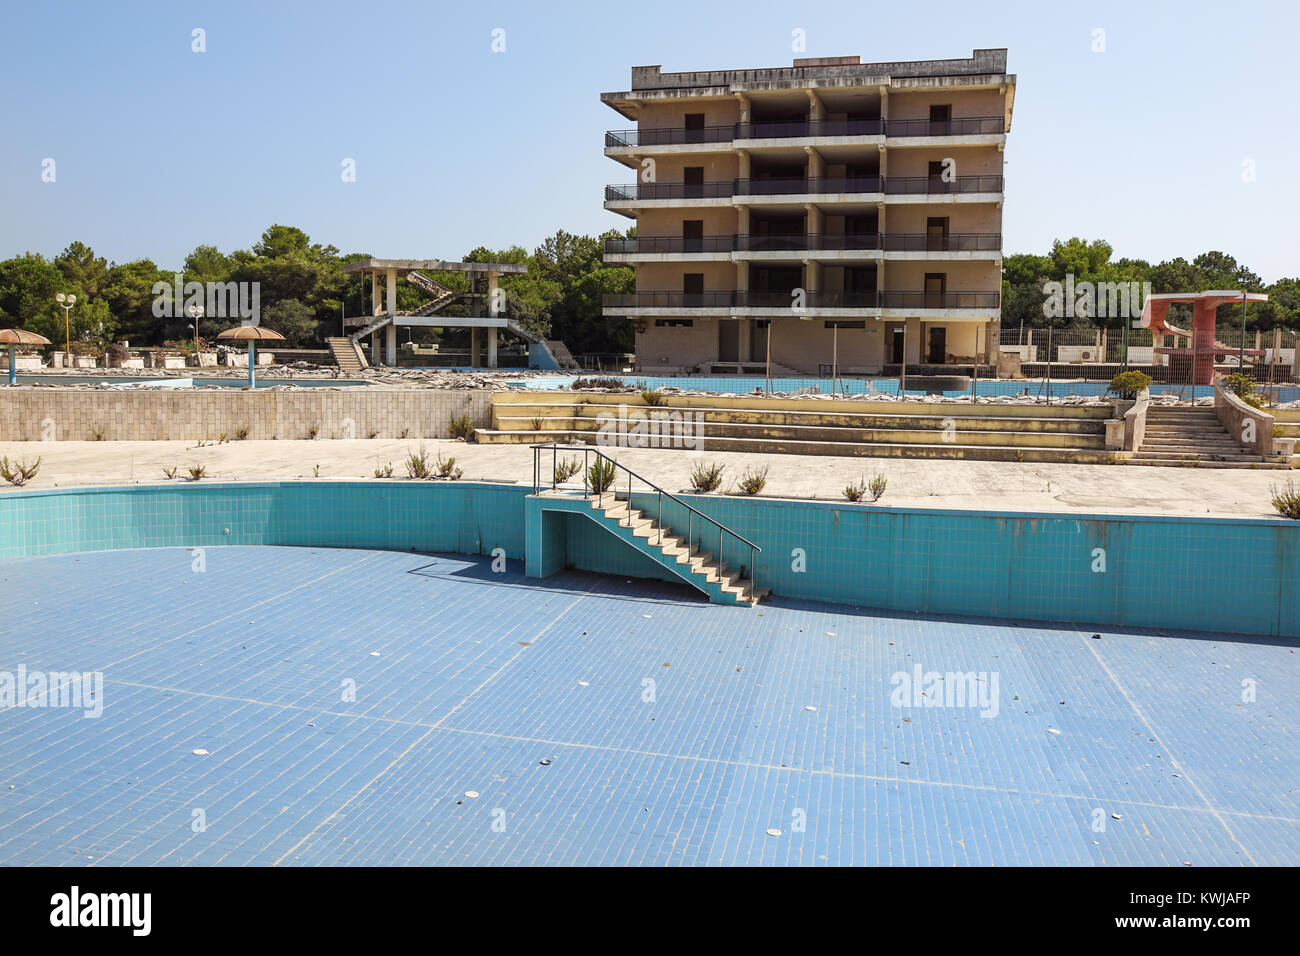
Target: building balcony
{"x": 953, "y": 242}
{"x": 670, "y": 245}
{"x": 634, "y": 138}
{"x": 809, "y": 129}
{"x": 979, "y": 305}
{"x": 954, "y": 246}
{"x": 933, "y": 189}
{"x": 808, "y": 186}
{"x": 738, "y": 303}
{"x": 806, "y": 301}
{"x": 910, "y": 302}
{"x": 823, "y": 190}
{"x": 633, "y": 302}
{"x": 651, "y": 192}
{"x": 618, "y": 139}
{"x": 712, "y": 245}
{"x": 958, "y": 126}
{"x": 809, "y": 242}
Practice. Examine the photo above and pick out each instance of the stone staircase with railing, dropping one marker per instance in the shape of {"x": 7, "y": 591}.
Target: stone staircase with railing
{"x": 679, "y": 550}
{"x": 560, "y": 352}
{"x": 702, "y": 569}
{"x": 351, "y": 360}
{"x": 807, "y": 427}
{"x": 1182, "y": 436}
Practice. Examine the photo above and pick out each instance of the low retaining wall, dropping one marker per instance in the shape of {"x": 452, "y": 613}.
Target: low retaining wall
{"x": 1234, "y": 575}
{"x": 38, "y": 413}
{"x": 1250, "y": 426}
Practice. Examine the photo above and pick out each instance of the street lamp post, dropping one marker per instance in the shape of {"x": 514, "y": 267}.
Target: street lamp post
{"x": 196, "y": 312}
{"x": 66, "y": 302}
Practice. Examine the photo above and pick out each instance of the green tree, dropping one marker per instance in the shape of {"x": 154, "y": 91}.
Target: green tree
{"x": 294, "y": 320}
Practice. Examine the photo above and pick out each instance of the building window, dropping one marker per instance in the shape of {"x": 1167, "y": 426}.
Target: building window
{"x": 674, "y": 323}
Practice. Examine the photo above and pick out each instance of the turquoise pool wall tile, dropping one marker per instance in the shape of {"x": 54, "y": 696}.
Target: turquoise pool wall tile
{"x": 1236, "y": 575}
{"x": 469, "y": 518}
{"x": 1239, "y": 575}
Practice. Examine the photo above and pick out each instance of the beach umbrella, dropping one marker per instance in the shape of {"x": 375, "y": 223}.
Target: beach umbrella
{"x": 14, "y": 338}
{"x": 252, "y": 334}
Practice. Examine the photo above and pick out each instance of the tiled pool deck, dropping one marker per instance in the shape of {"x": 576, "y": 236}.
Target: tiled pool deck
{"x": 481, "y": 675}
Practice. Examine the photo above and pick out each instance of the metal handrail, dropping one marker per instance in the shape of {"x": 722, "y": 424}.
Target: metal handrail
{"x": 555, "y": 448}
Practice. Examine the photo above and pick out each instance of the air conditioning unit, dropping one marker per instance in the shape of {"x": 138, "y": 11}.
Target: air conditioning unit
{"x": 1087, "y": 355}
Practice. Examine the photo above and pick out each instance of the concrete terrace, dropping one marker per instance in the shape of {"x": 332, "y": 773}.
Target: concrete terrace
{"x": 1130, "y": 748}
{"x": 922, "y": 483}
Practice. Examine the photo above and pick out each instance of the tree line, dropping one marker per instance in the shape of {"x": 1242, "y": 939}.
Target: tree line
{"x": 1025, "y": 275}
{"x": 304, "y": 291}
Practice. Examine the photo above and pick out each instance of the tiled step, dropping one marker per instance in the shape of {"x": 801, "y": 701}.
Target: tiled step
{"x": 781, "y": 446}
{"x": 1206, "y": 463}
{"x": 345, "y": 354}
{"x": 704, "y": 572}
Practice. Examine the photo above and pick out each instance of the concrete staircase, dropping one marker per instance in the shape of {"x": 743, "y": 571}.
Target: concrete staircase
{"x": 1191, "y": 437}
{"x": 351, "y": 360}
{"x": 700, "y": 569}
{"x": 441, "y": 294}
{"x": 820, "y": 427}
{"x": 560, "y": 352}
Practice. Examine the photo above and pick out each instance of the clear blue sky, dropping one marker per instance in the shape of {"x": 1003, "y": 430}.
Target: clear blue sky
{"x": 159, "y": 149}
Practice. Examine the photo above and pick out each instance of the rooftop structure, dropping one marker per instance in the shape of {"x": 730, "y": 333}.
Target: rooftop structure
{"x": 385, "y": 317}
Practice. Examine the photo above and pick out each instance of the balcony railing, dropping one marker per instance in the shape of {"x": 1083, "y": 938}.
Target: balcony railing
{"x": 644, "y": 191}
{"x": 811, "y": 241}
{"x": 792, "y": 129}
{"x": 894, "y": 185}
{"x": 743, "y": 300}
{"x": 959, "y": 126}
{"x": 955, "y": 242}
{"x": 667, "y": 300}
{"x": 808, "y": 300}
{"x": 669, "y": 137}
{"x": 941, "y": 300}
{"x": 802, "y": 128}
{"x": 798, "y": 242}
{"x": 932, "y": 185}
{"x": 798, "y": 186}
{"x": 669, "y": 244}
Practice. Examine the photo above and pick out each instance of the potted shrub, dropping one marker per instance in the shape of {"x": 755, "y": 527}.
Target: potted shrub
{"x": 1125, "y": 387}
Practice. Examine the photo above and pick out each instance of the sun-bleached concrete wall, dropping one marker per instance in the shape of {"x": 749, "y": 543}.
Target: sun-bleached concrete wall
{"x": 71, "y": 414}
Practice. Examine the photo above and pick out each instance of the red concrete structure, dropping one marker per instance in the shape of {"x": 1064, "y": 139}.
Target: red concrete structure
{"x": 1205, "y": 347}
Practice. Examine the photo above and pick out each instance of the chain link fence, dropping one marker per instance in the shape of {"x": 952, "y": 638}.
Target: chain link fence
{"x": 1098, "y": 354}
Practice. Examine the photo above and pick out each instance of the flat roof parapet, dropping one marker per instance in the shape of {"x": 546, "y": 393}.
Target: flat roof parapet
{"x": 434, "y": 265}
{"x": 981, "y": 62}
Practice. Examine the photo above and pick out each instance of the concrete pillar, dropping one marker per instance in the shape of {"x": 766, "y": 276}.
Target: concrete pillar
{"x": 374, "y": 348}
{"x": 492, "y": 304}
{"x": 376, "y": 299}
{"x": 390, "y": 344}
{"x": 492, "y": 347}
{"x": 744, "y": 107}
{"x": 390, "y": 297}
{"x": 816, "y": 110}
{"x": 816, "y": 165}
